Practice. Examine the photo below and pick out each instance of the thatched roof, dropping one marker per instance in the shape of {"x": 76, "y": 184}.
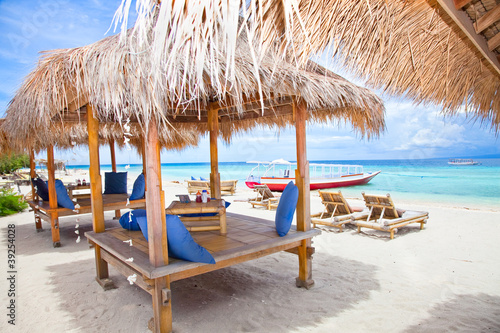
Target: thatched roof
{"x": 117, "y": 79}
{"x": 414, "y": 48}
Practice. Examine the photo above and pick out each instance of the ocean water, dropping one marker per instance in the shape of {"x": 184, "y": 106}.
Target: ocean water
{"x": 418, "y": 180}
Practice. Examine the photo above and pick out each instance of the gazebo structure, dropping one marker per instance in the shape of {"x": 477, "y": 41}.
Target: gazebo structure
{"x": 67, "y": 88}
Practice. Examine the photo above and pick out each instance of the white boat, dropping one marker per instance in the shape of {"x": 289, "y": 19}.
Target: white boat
{"x": 278, "y": 173}
{"x": 459, "y": 161}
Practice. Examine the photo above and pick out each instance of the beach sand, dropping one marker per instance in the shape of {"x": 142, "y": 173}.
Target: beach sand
{"x": 443, "y": 278}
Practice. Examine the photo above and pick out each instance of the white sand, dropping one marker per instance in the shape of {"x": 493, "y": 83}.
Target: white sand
{"x": 443, "y": 278}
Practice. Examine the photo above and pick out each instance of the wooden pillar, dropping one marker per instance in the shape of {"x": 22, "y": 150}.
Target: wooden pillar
{"x": 54, "y": 220}
{"x": 144, "y": 160}
{"x": 102, "y": 275}
{"x": 213, "y": 126}
{"x": 34, "y": 195}
{"x": 113, "y": 168}
{"x": 303, "y": 204}
{"x": 157, "y": 232}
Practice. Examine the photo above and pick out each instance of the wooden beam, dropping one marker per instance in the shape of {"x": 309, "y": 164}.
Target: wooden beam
{"x": 213, "y": 126}
{"x": 102, "y": 274}
{"x": 113, "y": 167}
{"x": 465, "y": 24}
{"x": 34, "y": 195}
{"x": 54, "y": 220}
{"x": 487, "y": 19}
{"x": 143, "y": 146}
{"x": 494, "y": 42}
{"x": 157, "y": 230}
{"x": 303, "y": 204}
{"x": 459, "y": 4}
{"x": 95, "y": 171}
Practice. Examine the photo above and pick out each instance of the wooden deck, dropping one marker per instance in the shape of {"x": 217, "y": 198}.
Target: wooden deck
{"x": 247, "y": 238}
{"x": 43, "y": 211}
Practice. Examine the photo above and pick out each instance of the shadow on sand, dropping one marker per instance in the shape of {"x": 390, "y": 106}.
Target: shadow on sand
{"x": 257, "y": 296}
{"x": 464, "y": 313}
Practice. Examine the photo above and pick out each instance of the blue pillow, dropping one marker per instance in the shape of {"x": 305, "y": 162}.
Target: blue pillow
{"x": 42, "y": 189}
{"x": 192, "y": 178}
{"x": 180, "y": 243}
{"x": 139, "y": 188}
{"x": 286, "y": 209}
{"x": 115, "y": 182}
{"x": 129, "y": 219}
{"x": 204, "y": 214}
{"x": 63, "y": 199}
{"x": 201, "y": 178}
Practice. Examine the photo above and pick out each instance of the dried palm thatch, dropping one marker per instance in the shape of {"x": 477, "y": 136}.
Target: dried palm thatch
{"x": 118, "y": 80}
{"x": 407, "y": 47}
{"x": 67, "y": 136}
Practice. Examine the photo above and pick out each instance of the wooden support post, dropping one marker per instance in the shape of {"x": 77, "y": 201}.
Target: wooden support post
{"x": 102, "y": 275}
{"x": 34, "y": 195}
{"x": 303, "y": 204}
{"x": 54, "y": 220}
{"x": 213, "y": 126}
{"x": 144, "y": 161}
{"x": 113, "y": 168}
{"x": 157, "y": 231}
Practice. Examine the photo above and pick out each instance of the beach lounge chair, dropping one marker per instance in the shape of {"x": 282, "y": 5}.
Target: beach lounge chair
{"x": 197, "y": 185}
{"x": 337, "y": 211}
{"x": 384, "y": 216}
{"x": 264, "y": 197}
{"x": 228, "y": 186}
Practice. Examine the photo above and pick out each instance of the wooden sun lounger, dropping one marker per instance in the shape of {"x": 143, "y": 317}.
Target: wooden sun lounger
{"x": 384, "y": 216}
{"x": 228, "y": 186}
{"x": 197, "y": 185}
{"x": 43, "y": 211}
{"x": 264, "y": 197}
{"x": 337, "y": 211}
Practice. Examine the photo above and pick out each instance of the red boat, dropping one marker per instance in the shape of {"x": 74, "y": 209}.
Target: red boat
{"x": 278, "y": 173}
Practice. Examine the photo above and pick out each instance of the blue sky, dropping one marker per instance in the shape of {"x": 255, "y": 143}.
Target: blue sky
{"x": 28, "y": 27}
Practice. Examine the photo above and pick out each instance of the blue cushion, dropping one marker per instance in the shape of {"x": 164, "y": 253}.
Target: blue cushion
{"x": 286, "y": 209}
{"x": 180, "y": 243}
{"x": 41, "y": 188}
{"x": 129, "y": 219}
{"x": 201, "y": 178}
{"x": 63, "y": 199}
{"x": 139, "y": 188}
{"x": 204, "y": 214}
{"x": 192, "y": 178}
{"x": 115, "y": 182}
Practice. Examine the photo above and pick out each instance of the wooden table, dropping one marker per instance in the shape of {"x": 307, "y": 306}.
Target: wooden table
{"x": 216, "y": 206}
{"x": 73, "y": 187}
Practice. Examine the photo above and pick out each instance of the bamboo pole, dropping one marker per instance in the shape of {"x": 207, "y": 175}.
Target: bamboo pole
{"x": 113, "y": 168}
{"x": 34, "y": 195}
{"x": 157, "y": 232}
{"x": 303, "y": 204}
{"x": 213, "y": 125}
{"x": 102, "y": 275}
{"x": 54, "y": 220}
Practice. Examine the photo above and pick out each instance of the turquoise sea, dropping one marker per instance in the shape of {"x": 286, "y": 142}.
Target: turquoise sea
{"x": 419, "y": 180}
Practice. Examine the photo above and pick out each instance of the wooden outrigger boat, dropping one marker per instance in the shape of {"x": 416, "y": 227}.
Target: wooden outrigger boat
{"x": 277, "y": 175}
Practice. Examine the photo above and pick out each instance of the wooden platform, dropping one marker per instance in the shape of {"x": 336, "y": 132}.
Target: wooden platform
{"x": 111, "y": 202}
{"x": 247, "y": 238}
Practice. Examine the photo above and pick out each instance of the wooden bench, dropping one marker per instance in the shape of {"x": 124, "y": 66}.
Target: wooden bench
{"x": 111, "y": 202}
